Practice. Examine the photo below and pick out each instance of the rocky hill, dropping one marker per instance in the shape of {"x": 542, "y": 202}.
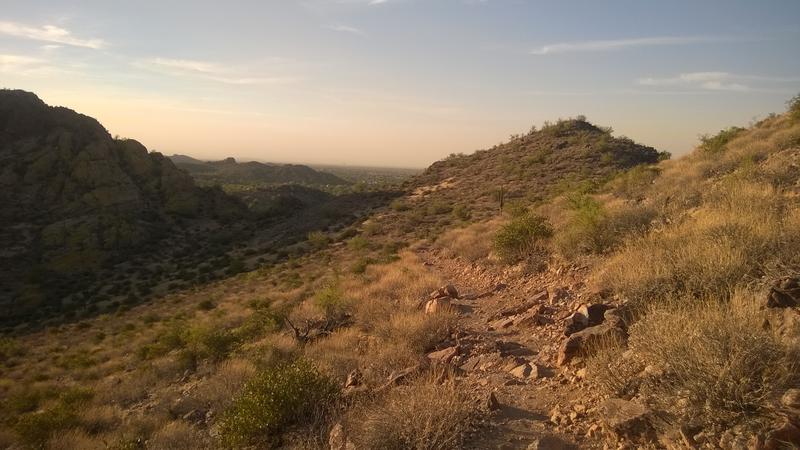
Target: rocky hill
{"x": 528, "y": 169}
{"x": 91, "y": 223}
{"x": 229, "y": 171}
{"x": 75, "y": 199}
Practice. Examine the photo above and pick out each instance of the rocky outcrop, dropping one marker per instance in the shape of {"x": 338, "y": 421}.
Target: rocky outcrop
{"x": 582, "y": 342}
{"x": 83, "y": 197}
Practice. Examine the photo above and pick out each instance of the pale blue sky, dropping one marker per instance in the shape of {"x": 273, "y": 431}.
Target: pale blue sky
{"x": 399, "y": 82}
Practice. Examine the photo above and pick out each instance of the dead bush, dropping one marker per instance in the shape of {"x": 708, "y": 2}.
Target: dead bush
{"x": 422, "y": 415}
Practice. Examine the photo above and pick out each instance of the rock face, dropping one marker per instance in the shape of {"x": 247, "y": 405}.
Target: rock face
{"x": 627, "y": 419}
{"x": 74, "y": 197}
{"x": 785, "y": 293}
{"x": 579, "y": 343}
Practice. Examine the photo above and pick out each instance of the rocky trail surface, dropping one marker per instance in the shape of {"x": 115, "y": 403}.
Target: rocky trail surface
{"x": 507, "y": 349}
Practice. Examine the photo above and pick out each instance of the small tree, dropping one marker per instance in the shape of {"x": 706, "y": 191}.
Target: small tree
{"x": 794, "y": 107}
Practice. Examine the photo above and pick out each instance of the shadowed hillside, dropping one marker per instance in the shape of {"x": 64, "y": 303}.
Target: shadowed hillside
{"x": 91, "y": 223}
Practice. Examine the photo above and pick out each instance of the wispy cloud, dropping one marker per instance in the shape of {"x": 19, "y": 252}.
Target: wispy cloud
{"x": 346, "y": 29}
{"x": 207, "y": 70}
{"x": 48, "y": 33}
{"x": 27, "y": 66}
{"x": 621, "y": 44}
{"x": 717, "y": 81}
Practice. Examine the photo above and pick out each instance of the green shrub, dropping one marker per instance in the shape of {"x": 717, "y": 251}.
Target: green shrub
{"x": 289, "y": 394}
{"x": 10, "y": 348}
{"x": 35, "y": 428}
{"x": 717, "y": 143}
{"x": 461, "y": 212}
{"x": 358, "y": 243}
{"x": 794, "y": 107}
{"x": 399, "y": 205}
{"x": 206, "y": 305}
{"x": 318, "y": 240}
{"x": 437, "y": 208}
{"x": 330, "y": 298}
{"x": 594, "y": 229}
{"x": 360, "y": 266}
{"x": 521, "y": 237}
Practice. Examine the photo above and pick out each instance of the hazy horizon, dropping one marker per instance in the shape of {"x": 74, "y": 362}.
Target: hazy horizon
{"x": 399, "y": 83}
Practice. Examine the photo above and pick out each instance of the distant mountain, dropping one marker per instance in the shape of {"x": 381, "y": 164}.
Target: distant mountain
{"x": 75, "y": 199}
{"x": 229, "y": 171}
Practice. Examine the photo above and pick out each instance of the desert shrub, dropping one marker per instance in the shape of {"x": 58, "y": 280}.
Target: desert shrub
{"x": 742, "y": 232}
{"x": 521, "y": 237}
{"x": 399, "y": 205}
{"x": 330, "y": 299}
{"x": 461, "y": 212}
{"x": 634, "y": 182}
{"x": 360, "y": 265}
{"x": 359, "y": 243}
{"x": 423, "y": 415}
{"x": 718, "y": 363}
{"x": 597, "y": 228}
{"x": 419, "y": 331}
{"x": 206, "y": 305}
{"x": 318, "y": 240}
{"x": 211, "y": 342}
{"x": 794, "y": 107}
{"x": 718, "y": 142}
{"x": 276, "y": 398}
{"x": 178, "y": 435}
{"x": 439, "y": 207}
{"x": 35, "y": 428}
{"x": 10, "y": 348}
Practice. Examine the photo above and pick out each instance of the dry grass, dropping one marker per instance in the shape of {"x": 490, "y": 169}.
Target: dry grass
{"x": 178, "y": 435}
{"x": 717, "y": 359}
{"x": 422, "y": 415}
{"x": 470, "y": 242}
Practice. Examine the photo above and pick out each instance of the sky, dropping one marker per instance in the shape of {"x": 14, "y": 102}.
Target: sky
{"x": 400, "y": 82}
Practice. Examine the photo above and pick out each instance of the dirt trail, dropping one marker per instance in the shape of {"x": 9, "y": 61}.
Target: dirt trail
{"x": 508, "y": 321}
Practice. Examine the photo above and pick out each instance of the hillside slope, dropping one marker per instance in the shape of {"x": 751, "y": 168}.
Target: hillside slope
{"x": 75, "y": 199}
{"x": 529, "y": 169}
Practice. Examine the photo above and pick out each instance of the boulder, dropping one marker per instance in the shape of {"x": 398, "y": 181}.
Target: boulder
{"x": 437, "y": 305}
{"x": 582, "y": 342}
{"x": 595, "y": 312}
{"x": 784, "y": 293}
{"x": 627, "y": 419}
{"x": 444, "y": 292}
{"x": 575, "y": 323}
{"x": 525, "y": 371}
{"x": 444, "y": 356}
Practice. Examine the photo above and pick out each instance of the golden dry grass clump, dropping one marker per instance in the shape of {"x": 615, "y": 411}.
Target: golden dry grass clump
{"x": 702, "y": 347}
